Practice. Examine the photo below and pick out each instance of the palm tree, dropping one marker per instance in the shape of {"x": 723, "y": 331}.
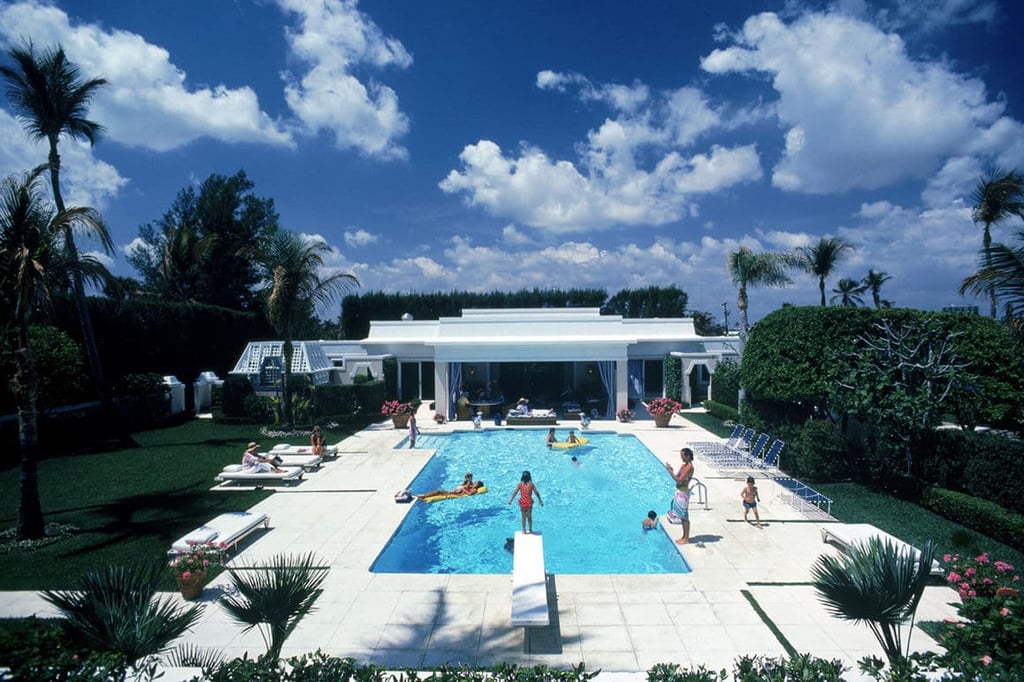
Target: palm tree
{"x": 48, "y": 94}
{"x": 822, "y": 258}
{"x": 873, "y": 281}
{"x": 1004, "y": 276}
{"x": 32, "y": 256}
{"x": 848, "y": 292}
{"x": 996, "y": 198}
{"x": 767, "y": 268}
{"x": 293, "y": 290}
{"x": 276, "y": 596}
{"x": 879, "y": 583}
{"x": 183, "y": 256}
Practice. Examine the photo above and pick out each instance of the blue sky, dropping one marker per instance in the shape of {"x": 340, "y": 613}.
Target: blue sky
{"x": 504, "y": 144}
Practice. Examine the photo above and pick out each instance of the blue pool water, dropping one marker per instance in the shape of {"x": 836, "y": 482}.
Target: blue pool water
{"x": 590, "y": 521}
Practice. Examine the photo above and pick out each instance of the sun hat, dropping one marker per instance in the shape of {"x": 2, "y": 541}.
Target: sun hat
{"x": 252, "y": 445}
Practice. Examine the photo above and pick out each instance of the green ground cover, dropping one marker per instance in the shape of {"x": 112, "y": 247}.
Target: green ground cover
{"x": 128, "y": 503}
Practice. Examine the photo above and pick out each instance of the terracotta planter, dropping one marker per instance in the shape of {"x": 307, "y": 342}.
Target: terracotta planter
{"x": 192, "y": 587}
{"x": 400, "y": 421}
{"x": 662, "y": 420}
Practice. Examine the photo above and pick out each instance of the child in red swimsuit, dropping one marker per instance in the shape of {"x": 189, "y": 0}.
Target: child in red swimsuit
{"x": 526, "y": 490}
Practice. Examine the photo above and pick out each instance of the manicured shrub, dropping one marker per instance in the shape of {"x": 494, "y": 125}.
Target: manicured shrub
{"x": 234, "y": 392}
{"x": 725, "y": 384}
{"x": 977, "y": 514}
{"x": 331, "y": 399}
{"x": 723, "y": 412}
{"x": 984, "y": 465}
{"x": 371, "y": 396}
{"x": 259, "y": 409}
{"x": 821, "y": 452}
{"x": 391, "y": 377}
{"x": 673, "y": 376}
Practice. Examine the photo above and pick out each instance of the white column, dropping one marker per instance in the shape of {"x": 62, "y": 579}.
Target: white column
{"x": 441, "y": 397}
{"x": 621, "y": 385}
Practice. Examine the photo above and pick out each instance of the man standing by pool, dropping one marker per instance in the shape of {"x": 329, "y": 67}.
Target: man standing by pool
{"x": 681, "y": 499}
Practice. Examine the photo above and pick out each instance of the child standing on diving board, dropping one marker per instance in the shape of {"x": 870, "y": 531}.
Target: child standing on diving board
{"x": 526, "y": 490}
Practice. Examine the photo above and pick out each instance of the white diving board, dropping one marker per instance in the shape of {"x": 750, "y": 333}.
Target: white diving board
{"x": 529, "y": 582}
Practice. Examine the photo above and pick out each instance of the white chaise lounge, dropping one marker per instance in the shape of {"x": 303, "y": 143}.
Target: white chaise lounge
{"x": 229, "y": 528}
{"x": 235, "y": 472}
{"x": 847, "y": 534}
{"x": 307, "y": 462}
{"x": 529, "y": 582}
{"x": 286, "y": 449}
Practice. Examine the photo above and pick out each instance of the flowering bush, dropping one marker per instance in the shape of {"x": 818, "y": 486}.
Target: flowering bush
{"x": 624, "y": 415}
{"x": 664, "y": 406}
{"x": 201, "y": 556}
{"x": 979, "y": 576}
{"x": 392, "y": 407}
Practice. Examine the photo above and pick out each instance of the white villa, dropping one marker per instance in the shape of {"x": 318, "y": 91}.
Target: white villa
{"x": 601, "y": 361}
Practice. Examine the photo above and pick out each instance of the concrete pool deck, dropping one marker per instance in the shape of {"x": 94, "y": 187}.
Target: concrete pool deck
{"x": 345, "y": 512}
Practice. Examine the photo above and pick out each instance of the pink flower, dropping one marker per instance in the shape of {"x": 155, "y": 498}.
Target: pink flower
{"x": 946, "y": 558}
{"x": 1004, "y": 611}
{"x": 986, "y": 659}
{"x": 954, "y": 577}
{"x": 186, "y": 575}
{"x": 1003, "y": 566}
{"x": 982, "y": 558}
{"x": 970, "y": 571}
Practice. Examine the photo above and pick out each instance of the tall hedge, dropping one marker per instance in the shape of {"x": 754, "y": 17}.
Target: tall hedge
{"x": 673, "y": 377}
{"x": 725, "y": 384}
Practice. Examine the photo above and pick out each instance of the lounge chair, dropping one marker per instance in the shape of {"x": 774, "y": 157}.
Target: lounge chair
{"x": 228, "y": 528}
{"x": 235, "y": 472}
{"x": 740, "y": 458}
{"x": 307, "y": 462}
{"x": 286, "y": 449}
{"x": 771, "y": 457}
{"x": 847, "y": 534}
{"x": 534, "y": 418}
{"x": 731, "y": 442}
{"x": 742, "y": 445}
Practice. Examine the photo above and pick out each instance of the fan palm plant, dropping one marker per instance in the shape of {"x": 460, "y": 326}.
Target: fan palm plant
{"x": 33, "y": 256}
{"x": 275, "y": 597}
{"x": 49, "y": 95}
{"x": 878, "y": 583}
{"x": 822, "y": 258}
{"x": 117, "y": 609}
{"x": 293, "y": 290}
{"x": 996, "y": 198}
{"x": 748, "y": 268}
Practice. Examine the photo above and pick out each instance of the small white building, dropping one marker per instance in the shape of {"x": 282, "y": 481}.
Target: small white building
{"x": 598, "y": 362}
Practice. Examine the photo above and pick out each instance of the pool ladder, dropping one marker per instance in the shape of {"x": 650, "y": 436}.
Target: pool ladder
{"x": 701, "y": 490}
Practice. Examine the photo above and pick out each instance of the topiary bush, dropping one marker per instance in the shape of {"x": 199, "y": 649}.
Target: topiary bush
{"x": 333, "y": 399}
{"x": 977, "y": 514}
{"x": 984, "y": 465}
{"x": 260, "y": 409}
{"x": 725, "y": 384}
{"x": 821, "y": 452}
{"x": 233, "y": 394}
{"x": 723, "y": 412}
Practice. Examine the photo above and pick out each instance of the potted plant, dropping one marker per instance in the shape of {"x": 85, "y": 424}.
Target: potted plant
{"x": 398, "y": 411}
{"x": 662, "y": 410}
{"x": 625, "y": 415}
{"x": 190, "y": 568}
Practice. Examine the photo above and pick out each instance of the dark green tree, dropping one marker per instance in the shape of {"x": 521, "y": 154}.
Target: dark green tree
{"x": 33, "y": 249}
{"x": 996, "y": 198}
{"x": 649, "y": 302}
{"x": 822, "y": 258}
{"x": 201, "y": 249}
{"x": 50, "y": 97}
{"x": 1003, "y": 276}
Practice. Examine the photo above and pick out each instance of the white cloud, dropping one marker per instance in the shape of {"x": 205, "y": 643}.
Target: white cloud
{"x": 633, "y": 169}
{"x": 860, "y": 111}
{"x": 360, "y": 238}
{"x": 147, "y": 102}
{"x": 512, "y": 236}
{"x": 333, "y": 36}
{"x": 103, "y": 258}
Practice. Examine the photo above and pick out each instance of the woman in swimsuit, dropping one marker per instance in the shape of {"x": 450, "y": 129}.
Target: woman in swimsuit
{"x": 526, "y": 490}
{"x": 316, "y": 441}
{"x": 552, "y": 438}
{"x": 681, "y": 500}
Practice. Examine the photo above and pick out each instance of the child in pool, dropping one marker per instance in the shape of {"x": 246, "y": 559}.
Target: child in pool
{"x": 651, "y": 521}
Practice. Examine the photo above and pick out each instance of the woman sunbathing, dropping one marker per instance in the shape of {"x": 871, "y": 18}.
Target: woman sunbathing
{"x": 464, "y": 490}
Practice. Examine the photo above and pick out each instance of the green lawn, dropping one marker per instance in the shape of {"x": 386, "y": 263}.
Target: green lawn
{"x": 129, "y": 503}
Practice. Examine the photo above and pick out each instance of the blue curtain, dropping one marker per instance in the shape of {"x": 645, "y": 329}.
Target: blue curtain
{"x": 454, "y": 380}
{"x": 606, "y": 368}
{"x": 635, "y": 369}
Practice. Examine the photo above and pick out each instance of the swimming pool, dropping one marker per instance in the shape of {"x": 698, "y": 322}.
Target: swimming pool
{"x": 591, "y": 518}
